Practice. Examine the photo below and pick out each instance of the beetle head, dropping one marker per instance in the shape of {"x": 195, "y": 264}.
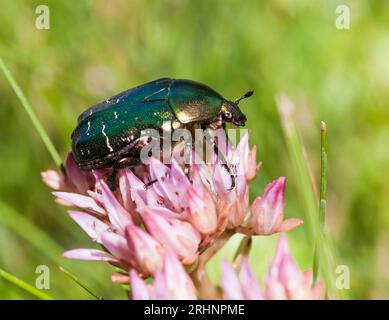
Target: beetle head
{"x": 231, "y": 112}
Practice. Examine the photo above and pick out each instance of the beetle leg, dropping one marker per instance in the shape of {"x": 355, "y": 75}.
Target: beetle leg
{"x": 122, "y": 163}
{"x": 111, "y": 180}
{"x": 220, "y": 156}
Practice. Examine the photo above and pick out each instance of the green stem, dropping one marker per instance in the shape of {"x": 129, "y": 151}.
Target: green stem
{"x": 34, "y": 119}
{"x": 323, "y": 200}
{"x": 25, "y": 286}
{"x": 314, "y": 224}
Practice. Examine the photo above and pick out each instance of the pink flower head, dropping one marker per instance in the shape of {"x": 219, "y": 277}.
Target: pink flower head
{"x": 171, "y": 282}
{"x": 179, "y": 235}
{"x": 202, "y": 210}
{"x": 164, "y": 223}
{"x": 147, "y": 252}
{"x": 242, "y": 286}
{"x": 284, "y": 280}
{"x": 267, "y": 213}
{"x": 139, "y": 289}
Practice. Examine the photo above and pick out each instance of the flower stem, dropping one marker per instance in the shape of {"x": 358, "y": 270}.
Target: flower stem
{"x": 206, "y": 289}
{"x": 214, "y": 248}
{"x": 34, "y": 119}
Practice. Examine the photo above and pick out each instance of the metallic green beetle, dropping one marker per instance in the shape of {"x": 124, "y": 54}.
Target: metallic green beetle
{"x": 109, "y": 134}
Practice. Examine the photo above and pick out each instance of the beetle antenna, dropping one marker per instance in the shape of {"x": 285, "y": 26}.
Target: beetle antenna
{"x": 246, "y": 95}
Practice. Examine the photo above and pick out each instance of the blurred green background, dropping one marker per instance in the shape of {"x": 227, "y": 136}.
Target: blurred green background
{"x": 95, "y": 49}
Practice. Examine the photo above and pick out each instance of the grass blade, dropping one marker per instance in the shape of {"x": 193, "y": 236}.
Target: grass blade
{"x": 323, "y": 199}
{"x": 24, "y": 286}
{"x": 80, "y": 283}
{"x": 34, "y": 119}
{"x": 315, "y": 222}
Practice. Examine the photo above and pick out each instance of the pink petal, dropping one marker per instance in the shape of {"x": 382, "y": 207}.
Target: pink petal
{"x": 249, "y": 284}
{"x": 139, "y": 289}
{"x": 267, "y": 212}
{"x": 283, "y": 275}
{"x": 240, "y": 206}
{"x": 125, "y": 190}
{"x": 116, "y": 245}
{"x": 230, "y": 283}
{"x": 153, "y": 198}
{"x": 81, "y": 201}
{"x": 137, "y": 186}
{"x": 173, "y": 282}
{"x": 173, "y": 233}
{"x": 223, "y": 183}
{"x": 166, "y": 213}
{"x": 178, "y": 175}
{"x": 148, "y": 253}
{"x": 290, "y": 224}
{"x": 252, "y": 166}
{"x": 76, "y": 175}
{"x": 54, "y": 180}
{"x": 275, "y": 290}
{"x": 118, "y": 216}
{"x": 241, "y": 155}
{"x": 91, "y": 225}
{"x": 89, "y": 254}
{"x": 202, "y": 211}
{"x": 273, "y": 203}
{"x": 164, "y": 187}
{"x": 120, "y": 278}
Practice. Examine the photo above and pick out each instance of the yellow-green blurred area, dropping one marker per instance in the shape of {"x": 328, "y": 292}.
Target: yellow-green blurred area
{"x": 95, "y": 49}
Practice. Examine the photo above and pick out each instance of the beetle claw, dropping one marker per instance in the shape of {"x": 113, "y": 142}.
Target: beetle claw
{"x": 232, "y": 183}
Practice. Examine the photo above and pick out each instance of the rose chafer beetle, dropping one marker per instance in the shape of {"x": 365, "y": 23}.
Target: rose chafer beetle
{"x": 109, "y": 134}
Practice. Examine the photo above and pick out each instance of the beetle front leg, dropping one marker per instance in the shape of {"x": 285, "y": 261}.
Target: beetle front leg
{"x": 220, "y": 156}
{"x": 122, "y": 163}
{"x": 111, "y": 180}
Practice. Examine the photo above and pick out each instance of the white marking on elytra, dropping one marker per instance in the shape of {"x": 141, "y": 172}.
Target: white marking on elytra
{"x": 160, "y": 90}
{"x": 106, "y": 139}
{"x": 116, "y": 115}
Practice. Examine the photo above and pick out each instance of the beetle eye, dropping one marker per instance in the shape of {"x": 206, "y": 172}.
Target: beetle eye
{"x": 228, "y": 115}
